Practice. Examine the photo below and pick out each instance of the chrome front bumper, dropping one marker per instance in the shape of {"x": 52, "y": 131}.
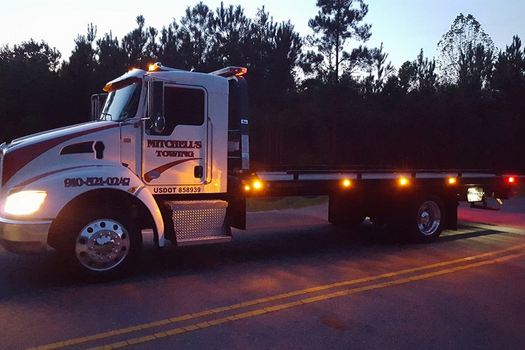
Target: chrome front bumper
{"x": 24, "y": 236}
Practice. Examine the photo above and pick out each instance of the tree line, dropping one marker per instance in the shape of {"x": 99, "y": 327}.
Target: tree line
{"x": 323, "y": 99}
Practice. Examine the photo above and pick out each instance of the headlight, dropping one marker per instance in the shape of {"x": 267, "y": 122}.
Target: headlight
{"x": 24, "y": 202}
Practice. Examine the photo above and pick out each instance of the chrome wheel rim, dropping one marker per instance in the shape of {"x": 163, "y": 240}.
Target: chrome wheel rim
{"x": 102, "y": 245}
{"x": 428, "y": 218}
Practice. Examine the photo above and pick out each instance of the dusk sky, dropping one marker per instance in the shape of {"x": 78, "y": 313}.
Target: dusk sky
{"x": 404, "y": 26}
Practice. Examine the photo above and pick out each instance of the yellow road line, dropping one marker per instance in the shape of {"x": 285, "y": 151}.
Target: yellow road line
{"x": 280, "y": 307}
{"x": 209, "y": 312}
{"x": 493, "y": 227}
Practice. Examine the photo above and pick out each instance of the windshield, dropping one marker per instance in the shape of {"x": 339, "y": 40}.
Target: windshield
{"x": 122, "y": 103}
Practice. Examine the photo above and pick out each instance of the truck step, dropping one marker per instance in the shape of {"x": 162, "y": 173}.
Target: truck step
{"x": 204, "y": 240}
{"x": 200, "y": 222}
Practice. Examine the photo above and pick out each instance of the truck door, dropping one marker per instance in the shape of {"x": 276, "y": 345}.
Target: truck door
{"x": 175, "y": 146}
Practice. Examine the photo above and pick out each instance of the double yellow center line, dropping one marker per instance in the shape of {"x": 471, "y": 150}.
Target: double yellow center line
{"x": 392, "y": 279}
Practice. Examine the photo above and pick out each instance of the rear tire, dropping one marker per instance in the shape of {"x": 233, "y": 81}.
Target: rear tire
{"x": 425, "y": 220}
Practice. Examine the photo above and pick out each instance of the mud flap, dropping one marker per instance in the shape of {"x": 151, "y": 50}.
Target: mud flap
{"x": 236, "y": 213}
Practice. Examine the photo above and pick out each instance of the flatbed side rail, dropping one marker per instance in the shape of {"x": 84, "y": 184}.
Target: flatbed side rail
{"x": 297, "y": 183}
{"x": 372, "y": 174}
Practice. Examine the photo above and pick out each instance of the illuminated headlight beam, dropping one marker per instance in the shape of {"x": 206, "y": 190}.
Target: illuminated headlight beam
{"x": 24, "y": 202}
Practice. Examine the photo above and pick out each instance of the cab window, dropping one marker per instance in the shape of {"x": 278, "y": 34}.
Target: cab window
{"x": 183, "y": 106}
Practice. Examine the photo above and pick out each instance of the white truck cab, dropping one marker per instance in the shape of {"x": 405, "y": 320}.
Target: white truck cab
{"x": 160, "y": 146}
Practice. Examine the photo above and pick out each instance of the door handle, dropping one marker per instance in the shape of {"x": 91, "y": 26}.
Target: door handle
{"x": 198, "y": 171}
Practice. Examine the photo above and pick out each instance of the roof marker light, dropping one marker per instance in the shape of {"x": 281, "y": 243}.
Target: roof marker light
{"x": 153, "y": 67}
{"x": 240, "y": 71}
{"x": 231, "y": 71}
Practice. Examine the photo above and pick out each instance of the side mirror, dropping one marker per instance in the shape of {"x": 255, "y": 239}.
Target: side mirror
{"x": 97, "y": 103}
{"x": 156, "y": 106}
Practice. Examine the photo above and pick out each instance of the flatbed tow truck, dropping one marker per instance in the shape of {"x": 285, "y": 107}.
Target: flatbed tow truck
{"x": 169, "y": 151}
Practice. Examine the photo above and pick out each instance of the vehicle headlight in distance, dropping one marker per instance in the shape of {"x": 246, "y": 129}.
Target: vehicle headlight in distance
{"x": 24, "y": 202}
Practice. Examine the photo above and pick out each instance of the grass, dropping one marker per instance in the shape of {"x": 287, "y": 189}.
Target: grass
{"x": 265, "y": 204}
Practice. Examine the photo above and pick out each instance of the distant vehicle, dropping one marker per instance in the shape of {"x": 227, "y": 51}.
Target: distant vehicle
{"x": 169, "y": 151}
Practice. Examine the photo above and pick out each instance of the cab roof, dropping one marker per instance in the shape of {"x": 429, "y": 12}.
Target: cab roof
{"x": 174, "y": 75}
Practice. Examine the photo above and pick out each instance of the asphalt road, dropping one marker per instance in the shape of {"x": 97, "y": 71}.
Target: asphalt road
{"x": 290, "y": 282}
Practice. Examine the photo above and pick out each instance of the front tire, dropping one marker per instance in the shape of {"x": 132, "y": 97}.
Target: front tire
{"x": 103, "y": 244}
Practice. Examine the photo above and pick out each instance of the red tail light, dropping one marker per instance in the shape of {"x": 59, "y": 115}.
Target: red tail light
{"x": 511, "y": 180}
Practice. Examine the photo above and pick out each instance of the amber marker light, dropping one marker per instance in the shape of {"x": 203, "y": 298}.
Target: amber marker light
{"x": 452, "y": 181}
{"x": 403, "y": 181}
{"x": 241, "y": 71}
{"x": 257, "y": 185}
{"x": 346, "y": 183}
{"x": 247, "y": 188}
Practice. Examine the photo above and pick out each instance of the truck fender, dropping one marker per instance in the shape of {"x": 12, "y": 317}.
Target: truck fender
{"x": 63, "y": 186}
{"x": 145, "y": 196}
